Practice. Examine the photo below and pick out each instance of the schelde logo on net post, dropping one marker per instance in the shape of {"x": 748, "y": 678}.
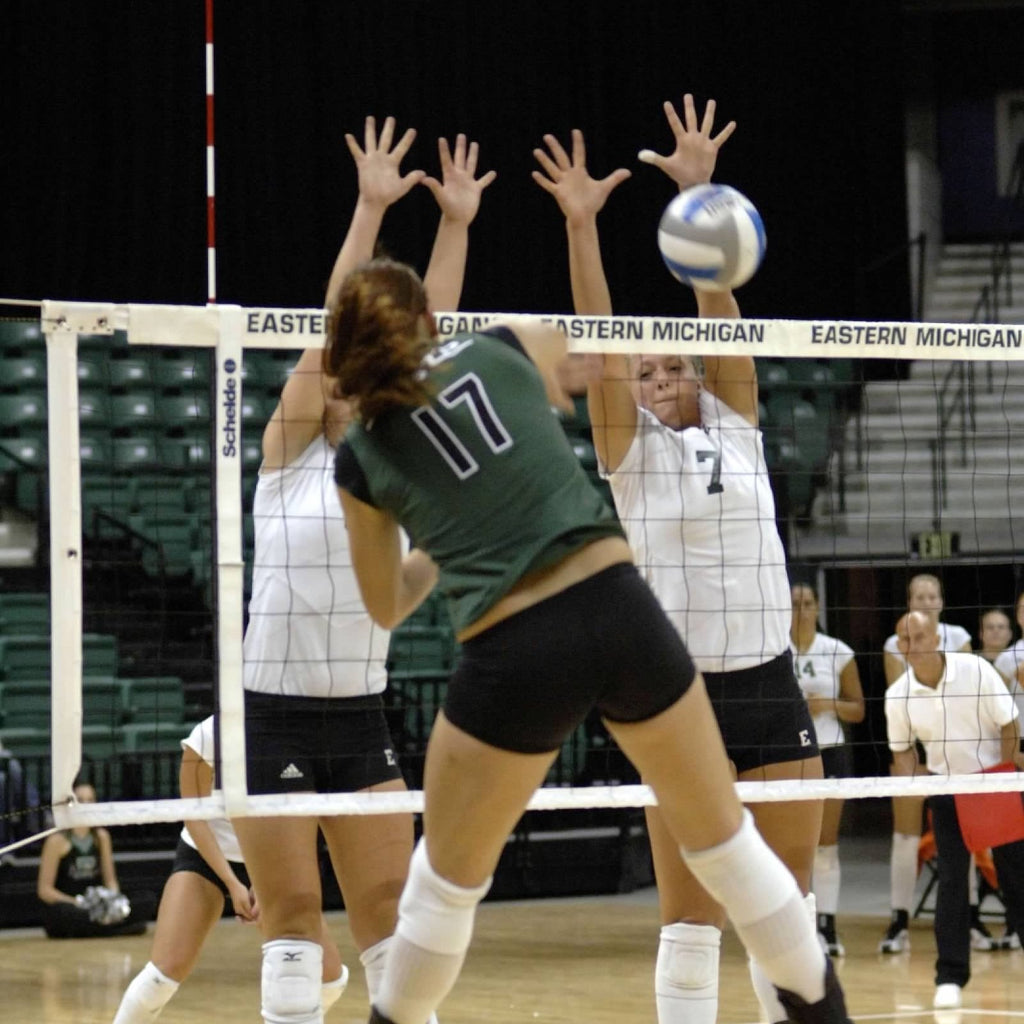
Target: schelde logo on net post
{"x": 229, "y": 400}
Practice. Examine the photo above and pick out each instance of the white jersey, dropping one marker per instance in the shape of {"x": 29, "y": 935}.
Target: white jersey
{"x": 309, "y": 633}
{"x": 698, "y": 509}
{"x": 817, "y": 671}
{"x": 1008, "y": 664}
{"x": 951, "y": 638}
{"x": 958, "y": 721}
{"x": 200, "y": 739}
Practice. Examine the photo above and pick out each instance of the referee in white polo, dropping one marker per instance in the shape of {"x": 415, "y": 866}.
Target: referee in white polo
{"x": 958, "y": 707}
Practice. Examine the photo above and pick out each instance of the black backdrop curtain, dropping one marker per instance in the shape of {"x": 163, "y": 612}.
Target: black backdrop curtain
{"x": 103, "y": 164}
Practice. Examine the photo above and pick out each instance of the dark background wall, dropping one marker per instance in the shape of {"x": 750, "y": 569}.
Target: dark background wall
{"x": 102, "y": 177}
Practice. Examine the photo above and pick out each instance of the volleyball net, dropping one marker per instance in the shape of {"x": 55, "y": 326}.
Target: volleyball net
{"x": 146, "y": 429}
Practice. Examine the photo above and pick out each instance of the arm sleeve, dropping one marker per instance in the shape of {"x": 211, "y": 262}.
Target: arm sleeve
{"x": 349, "y": 474}
{"x": 897, "y": 721}
{"x": 1002, "y": 707}
{"x": 843, "y": 656}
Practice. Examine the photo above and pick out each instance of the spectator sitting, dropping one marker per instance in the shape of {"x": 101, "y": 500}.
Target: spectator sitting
{"x": 78, "y": 885}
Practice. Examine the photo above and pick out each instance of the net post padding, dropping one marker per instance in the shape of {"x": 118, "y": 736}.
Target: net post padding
{"x": 65, "y": 558}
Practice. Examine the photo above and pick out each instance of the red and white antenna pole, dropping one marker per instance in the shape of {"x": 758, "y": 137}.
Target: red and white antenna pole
{"x": 211, "y": 248}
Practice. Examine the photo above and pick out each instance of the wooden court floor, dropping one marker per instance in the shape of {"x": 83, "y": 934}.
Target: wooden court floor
{"x": 536, "y": 962}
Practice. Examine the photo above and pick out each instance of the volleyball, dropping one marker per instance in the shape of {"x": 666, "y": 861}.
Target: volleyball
{"x": 711, "y": 237}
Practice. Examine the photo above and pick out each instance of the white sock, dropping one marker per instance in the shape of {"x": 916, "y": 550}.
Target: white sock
{"x": 761, "y": 897}
{"x": 827, "y": 876}
{"x": 772, "y": 1011}
{"x": 903, "y": 871}
{"x": 374, "y": 959}
{"x": 150, "y": 991}
{"x": 686, "y": 975}
{"x": 330, "y": 991}
{"x": 425, "y": 956}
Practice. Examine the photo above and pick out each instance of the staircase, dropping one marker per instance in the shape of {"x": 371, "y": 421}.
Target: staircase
{"x": 964, "y": 272}
{"x": 911, "y": 475}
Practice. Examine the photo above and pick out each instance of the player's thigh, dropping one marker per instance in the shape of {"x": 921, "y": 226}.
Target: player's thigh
{"x": 680, "y": 896}
{"x": 908, "y": 815}
{"x": 189, "y": 908}
{"x": 370, "y": 855}
{"x": 830, "y": 818}
{"x": 280, "y": 855}
{"x": 475, "y": 793}
{"x": 790, "y": 827}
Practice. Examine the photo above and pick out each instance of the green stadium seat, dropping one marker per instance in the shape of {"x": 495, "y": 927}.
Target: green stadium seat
{"x": 92, "y": 373}
{"x": 103, "y": 344}
{"x": 129, "y": 374}
{"x": 584, "y": 450}
{"x": 93, "y": 409}
{"x": 23, "y": 373}
{"x": 21, "y": 410}
{"x": 807, "y": 426}
{"x": 25, "y": 703}
{"x": 153, "y": 751}
{"x": 101, "y": 741}
{"x": 103, "y": 701}
{"x": 95, "y": 452}
{"x": 131, "y": 454}
{"x": 198, "y": 495}
{"x": 24, "y": 657}
{"x": 27, "y": 451}
{"x": 99, "y": 654}
{"x": 421, "y": 652}
{"x": 159, "y": 495}
{"x": 251, "y": 453}
{"x": 172, "y": 537}
{"x": 189, "y": 452}
{"x": 20, "y": 335}
{"x": 27, "y": 742}
{"x": 180, "y": 372}
{"x": 182, "y": 412}
{"x": 154, "y": 699}
{"x": 112, "y": 495}
{"x": 133, "y": 412}
{"x": 25, "y": 613}
{"x": 772, "y": 375}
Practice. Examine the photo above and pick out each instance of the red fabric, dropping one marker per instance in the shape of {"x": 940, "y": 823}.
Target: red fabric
{"x": 990, "y": 819}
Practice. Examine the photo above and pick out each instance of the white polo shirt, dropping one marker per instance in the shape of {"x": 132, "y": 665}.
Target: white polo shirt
{"x": 958, "y": 721}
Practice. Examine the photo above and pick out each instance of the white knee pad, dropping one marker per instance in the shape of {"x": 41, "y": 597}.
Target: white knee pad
{"x": 688, "y": 961}
{"x": 436, "y": 914}
{"x": 292, "y": 970}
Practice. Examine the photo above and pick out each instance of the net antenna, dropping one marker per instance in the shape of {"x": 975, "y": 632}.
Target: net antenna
{"x": 229, "y": 330}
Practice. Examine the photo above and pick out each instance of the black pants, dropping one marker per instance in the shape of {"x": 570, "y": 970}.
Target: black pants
{"x": 952, "y": 905}
{"x": 66, "y": 921}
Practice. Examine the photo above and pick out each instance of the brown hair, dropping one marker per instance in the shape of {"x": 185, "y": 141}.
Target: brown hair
{"x": 929, "y": 578}
{"x": 376, "y": 338}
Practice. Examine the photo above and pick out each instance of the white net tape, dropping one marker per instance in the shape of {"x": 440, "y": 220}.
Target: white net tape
{"x": 230, "y": 330}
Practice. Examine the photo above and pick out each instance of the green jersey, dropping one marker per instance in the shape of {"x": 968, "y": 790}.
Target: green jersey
{"x": 482, "y": 479}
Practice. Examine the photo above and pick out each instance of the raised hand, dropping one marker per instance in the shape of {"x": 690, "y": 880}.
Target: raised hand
{"x": 459, "y": 190}
{"x": 696, "y": 153}
{"x": 579, "y": 196}
{"x": 381, "y": 183}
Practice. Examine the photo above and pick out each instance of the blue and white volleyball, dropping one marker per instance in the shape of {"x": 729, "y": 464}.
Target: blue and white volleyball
{"x": 711, "y": 238}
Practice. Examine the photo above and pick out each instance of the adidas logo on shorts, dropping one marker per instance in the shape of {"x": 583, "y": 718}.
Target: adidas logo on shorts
{"x": 291, "y": 772}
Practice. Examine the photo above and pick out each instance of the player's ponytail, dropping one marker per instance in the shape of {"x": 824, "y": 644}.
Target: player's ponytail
{"x": 377, "y": 335}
